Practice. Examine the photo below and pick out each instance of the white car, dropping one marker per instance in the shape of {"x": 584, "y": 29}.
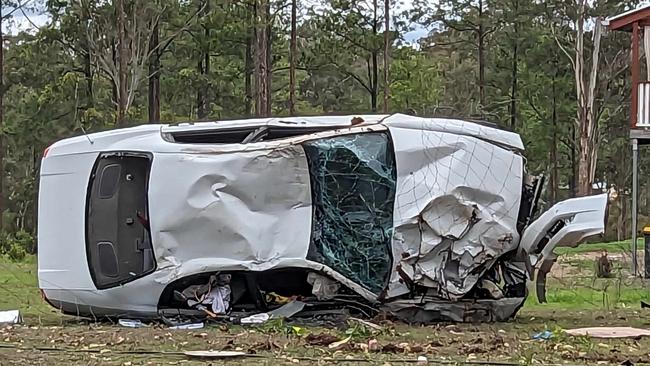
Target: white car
{"x": 426, "y": 218}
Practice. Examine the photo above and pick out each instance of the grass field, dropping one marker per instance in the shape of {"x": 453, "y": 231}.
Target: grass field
{"x": 576, "y": 299}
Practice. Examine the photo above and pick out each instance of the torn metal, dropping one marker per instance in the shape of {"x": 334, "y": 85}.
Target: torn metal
{"x": 428, "y": 219}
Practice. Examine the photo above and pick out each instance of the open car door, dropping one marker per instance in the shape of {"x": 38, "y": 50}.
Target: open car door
{"x": 566, "y": 224}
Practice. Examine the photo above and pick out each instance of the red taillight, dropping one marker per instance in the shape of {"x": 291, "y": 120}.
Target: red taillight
{"x": 46, "y": 151}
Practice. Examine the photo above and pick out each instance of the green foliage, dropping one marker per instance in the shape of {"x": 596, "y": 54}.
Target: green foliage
{"x": 16, "y": 245}
{"x": 56, "y": 85}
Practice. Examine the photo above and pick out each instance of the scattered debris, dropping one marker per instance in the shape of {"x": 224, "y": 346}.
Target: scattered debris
{"x": 255, "y": 319}
{"x": 131, "y": 323}
{"x": 609, "y": 332}
{"x": 373, "y": 345}
{"x": 10, "y": 317}
{"x": 336, "y": 345}
{"x": 545, "y": 335}
{"x": 322, "y": 287}
{"x": 287, "y": 310}
{"x": 367, "y": 323}
{"x": 188, "y": 326}
{"x": 215, "y": 293}
{"x": 320, "y": 339}
{"x": 215, "y": 354}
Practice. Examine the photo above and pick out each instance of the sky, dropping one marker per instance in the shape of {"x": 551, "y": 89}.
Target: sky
{"x": 32, "y": 18}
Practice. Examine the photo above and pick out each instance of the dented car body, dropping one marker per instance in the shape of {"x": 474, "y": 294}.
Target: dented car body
{"x": 428, "y": 219}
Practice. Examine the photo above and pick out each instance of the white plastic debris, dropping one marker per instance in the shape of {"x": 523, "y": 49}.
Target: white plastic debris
{"x": 256, "y": 319}
{"x": 422, "y": 360}
{"x": 10, "y": 317}
{"x": 188, "y": 326}
{"x": 609, "y": 332}
{"x": 130, "y": 323}
{"x": 323, "y": 287}
{"x": 214, "y": 354}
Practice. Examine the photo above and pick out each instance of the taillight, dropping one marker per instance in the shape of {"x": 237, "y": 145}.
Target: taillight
{"x": 46, "y": 151}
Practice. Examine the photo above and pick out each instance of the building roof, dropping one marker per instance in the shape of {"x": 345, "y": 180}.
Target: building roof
{"x": 624, "y": 21}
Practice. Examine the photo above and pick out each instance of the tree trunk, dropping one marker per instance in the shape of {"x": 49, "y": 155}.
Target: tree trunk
{"x": 262, "y": 97}
{"x": 292, "y": 61}
{"x": 87, "y": 65}
{"x": 573, "y": 182}
{"x": 554, "y": 181}
{"x": 203, "y": 104}
{"x": 621, "y": 231}
{"x": 249, "y": 64}
{"x": 386, "y": 53}
{"x": 515, "y": 66}
{"x": 481, "y": 58}
{"x": 154, "y": 76}
{"x": 114, "y": 91}
{"x": 375, "y": 61}
{"x": 269, "y": 63}
{"x": 584, "y": 166}
{"x": 88, "y": 74}
{"x": 122, "y": 66}
{"x": 200, "y": 93}
{"x": 248, "y": 87}
{"x": 586, "y": 94}
{"x": 2, "y": 137}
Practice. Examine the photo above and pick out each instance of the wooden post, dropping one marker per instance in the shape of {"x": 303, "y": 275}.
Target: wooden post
{"x": 635, "y": 73}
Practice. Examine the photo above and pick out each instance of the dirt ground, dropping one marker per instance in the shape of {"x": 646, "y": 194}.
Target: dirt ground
{"x": 500, "y": 344}
{"x": 575, "y": 297}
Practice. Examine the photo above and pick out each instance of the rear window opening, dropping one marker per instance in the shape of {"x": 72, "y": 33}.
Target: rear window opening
{"x": 118, "y": 241}
{"x": 243, "y": 135}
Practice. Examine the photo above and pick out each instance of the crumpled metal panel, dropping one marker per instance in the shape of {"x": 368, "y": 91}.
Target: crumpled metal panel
{"x": 353, "y": 190}
{"x": 456, "y": 209}
{"x": 250, "y": 209}
{"x": 430, "y": 310}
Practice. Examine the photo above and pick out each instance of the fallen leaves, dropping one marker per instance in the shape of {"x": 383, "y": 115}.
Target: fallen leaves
{"x": 320, "y": 339}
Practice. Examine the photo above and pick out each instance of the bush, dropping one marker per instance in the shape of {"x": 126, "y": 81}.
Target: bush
{"x": 15, "y": 245}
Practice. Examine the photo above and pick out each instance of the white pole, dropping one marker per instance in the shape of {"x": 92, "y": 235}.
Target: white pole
{"x": 635, "y": 178}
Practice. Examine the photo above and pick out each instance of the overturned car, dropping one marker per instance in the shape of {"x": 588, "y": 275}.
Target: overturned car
{"x": 427, "y": 219}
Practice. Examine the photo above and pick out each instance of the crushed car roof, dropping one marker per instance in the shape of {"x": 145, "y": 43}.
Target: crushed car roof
{"x": 102, "y": 140}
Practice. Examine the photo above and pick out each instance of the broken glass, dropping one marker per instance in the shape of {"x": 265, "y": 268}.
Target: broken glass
{"x": 353, "y": 191}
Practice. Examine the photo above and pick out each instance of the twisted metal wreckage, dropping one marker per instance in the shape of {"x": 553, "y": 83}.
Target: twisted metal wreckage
{"x": 428, "y": 219}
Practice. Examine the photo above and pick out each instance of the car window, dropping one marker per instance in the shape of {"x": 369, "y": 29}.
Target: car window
{"x": 353, "y": 191}
{"x": 243, "y": 135}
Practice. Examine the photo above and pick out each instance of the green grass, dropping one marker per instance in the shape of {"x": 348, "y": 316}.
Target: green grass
{"x": 576, "y": 300}
{"x": 611, "y": 247}
{"x": 594, "y": 294}
{"x": 19, "y": 289}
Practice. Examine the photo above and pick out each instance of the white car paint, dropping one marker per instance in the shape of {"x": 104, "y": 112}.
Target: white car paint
{"x": 248, "y": 207}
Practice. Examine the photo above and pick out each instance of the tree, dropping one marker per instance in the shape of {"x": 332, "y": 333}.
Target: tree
{"x": 386, "y": 53}
{"x": 292, "y": 60}
{"x": 353, "y": 26}
{"x": 263, "y": 58}
{"x": 2, "y": 146}
{"x": 121, "y": 81}
{"x": 592, "y": 95}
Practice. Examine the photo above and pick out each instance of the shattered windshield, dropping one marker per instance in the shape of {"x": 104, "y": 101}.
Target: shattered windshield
{"x": 353, "y": 190}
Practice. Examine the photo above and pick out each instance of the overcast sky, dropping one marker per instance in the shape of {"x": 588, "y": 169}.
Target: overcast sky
{"x": 33, "y": 18}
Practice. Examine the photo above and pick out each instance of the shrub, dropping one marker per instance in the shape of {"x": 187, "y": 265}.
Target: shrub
{"x": 15, "y": 245}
